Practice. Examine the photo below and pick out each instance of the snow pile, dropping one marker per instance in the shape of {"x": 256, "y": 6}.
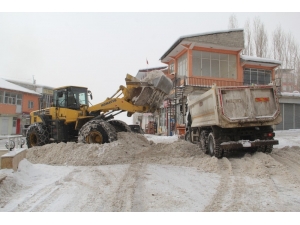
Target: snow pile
{"x": 129, "y": 148}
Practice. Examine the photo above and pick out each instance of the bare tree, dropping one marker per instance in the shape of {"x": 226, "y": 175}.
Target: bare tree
{"x": 248, "y": 50}
{"x": 260, "y": 38}
{"x": 233, "y": 23}
{"x": 278, "y": 42}
{"x": 285, "y": 49}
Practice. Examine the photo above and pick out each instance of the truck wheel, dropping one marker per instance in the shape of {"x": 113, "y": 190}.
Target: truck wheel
{"x": 97, "y": 131}
{"x": 269, "y": 148}
{"x": 120, "y": 126}
{"x": 214, "y": 146}
{"x": 203, "y": 141}
{"x": 37, "y": 135}
{"x": 261, "y": 148}
{"x": 187, "y": 136}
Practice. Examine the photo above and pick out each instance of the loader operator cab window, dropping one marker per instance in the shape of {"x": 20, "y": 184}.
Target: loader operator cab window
{"x": 70, "y": 97}
{"x": 60, "y": 98}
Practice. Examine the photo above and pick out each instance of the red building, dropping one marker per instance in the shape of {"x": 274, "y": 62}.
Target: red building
{"x": 16, "y": 103}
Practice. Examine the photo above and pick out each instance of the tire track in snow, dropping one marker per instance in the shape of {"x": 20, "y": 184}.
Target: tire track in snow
{"x": 123, "y": 200}
{"x": 225, "y": 169}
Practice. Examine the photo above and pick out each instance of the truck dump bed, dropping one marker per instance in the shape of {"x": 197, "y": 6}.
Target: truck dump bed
{"x": 235, "y": 107}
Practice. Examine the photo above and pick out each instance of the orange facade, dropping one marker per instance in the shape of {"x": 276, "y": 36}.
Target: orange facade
{"x": 13, "y": 116}
{"x": 11, "y": 109}
{"x": 208, "y": 81}
{"x": 29, "y": 97}
{"x": 7, "y": 109}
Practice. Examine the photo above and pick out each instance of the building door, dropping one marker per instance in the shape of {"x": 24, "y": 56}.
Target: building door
{"x": 4, "y": 126}
{"x": 18, "y": 131}
{"x": 290, "y": 116}
{"x": 14, "y": 126}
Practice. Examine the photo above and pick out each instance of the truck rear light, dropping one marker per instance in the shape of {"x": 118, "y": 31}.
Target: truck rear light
{"x": 269, "y": 134}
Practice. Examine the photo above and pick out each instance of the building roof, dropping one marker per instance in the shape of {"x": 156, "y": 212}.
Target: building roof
{"x": 258, "y": 60}
{"x": 28, "y": 83}
{"x": 153, "y": 68}
{"x": 10, "y": 86}
{"x": 180, "y": 39}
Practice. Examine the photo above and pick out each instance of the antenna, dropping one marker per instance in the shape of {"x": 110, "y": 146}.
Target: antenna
{"x": 33, "y": 79}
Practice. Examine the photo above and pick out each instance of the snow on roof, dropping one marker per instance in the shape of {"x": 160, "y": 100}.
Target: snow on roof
{"x": 28, "y": 83}
{"x": 153, "y": 68}
{"x": 196, "y": 35}
{"x": 259, "y": 59}
{"x": 10, "y": 86}
{"x": 295, "y": 93}
{"x": 211, "y": 32}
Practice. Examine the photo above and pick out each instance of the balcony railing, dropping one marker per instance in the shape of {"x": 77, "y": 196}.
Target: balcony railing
{"x": 208, "y": 82}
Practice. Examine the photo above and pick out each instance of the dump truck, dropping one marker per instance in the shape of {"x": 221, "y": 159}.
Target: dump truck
{"x": 72, "y": 119}
{"x": 224, "y": 120}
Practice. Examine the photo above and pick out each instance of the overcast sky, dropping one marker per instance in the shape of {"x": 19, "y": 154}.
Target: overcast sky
{"x": 98, "y": 49}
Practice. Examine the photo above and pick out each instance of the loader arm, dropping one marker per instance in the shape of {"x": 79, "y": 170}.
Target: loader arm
{"x": 116, "y": 104}
{"x": 137, "y": 96}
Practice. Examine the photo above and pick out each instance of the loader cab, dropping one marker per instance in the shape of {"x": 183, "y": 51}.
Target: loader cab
{"x": 70, "y": 97}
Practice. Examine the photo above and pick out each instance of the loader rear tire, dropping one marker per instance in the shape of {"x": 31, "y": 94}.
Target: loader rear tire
{"x": 37, "y": 135}
{"x": 97, "y": 131}
{"x": 120, "y": 126}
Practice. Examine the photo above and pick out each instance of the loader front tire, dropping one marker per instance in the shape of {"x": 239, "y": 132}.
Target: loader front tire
{"x": 97, "y": 131}
{"x": 37, "y": 135}
{"x": 120, "y": 126}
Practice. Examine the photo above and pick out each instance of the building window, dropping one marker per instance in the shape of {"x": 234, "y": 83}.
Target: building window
{"x": 14, "y": 121}
{"x": 172, "y": 68}
{"x": 10, "y": 98}
{"x": 210, "y": 64}
{"x": 182, "y": 65}
{"x": 1, "y": 96}
{"x": 256, "y": 76}
{"x": 30, "y": 104}
{"x": 19, "y": 99}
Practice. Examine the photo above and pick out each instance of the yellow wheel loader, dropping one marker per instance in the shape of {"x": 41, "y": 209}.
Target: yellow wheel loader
{"x": 71, "y": 119}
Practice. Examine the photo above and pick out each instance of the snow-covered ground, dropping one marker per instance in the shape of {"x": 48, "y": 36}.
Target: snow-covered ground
{"x": 156, "y": 174}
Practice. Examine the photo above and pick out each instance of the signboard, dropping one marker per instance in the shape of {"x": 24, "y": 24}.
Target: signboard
{"x": 166, "y": 104}
{"x": 47, "y": 91}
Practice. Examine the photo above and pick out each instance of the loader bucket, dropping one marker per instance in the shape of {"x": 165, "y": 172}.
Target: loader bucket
{"x": 150, "y": 91}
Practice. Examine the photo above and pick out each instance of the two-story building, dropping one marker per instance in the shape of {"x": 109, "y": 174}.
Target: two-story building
{"x": 197, "y": 61}
{"x": 16, "y": 103}
{"x": 45, "y": 91}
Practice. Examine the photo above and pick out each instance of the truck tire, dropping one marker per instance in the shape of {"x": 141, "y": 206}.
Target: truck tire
{"x": 214, "y": 148}
{"x": 204, "y": 141}
{"x": 269, "y": 148}
{"x": 97, "y": 131}
{"x": 37, "y": 135}
{"x": 120, "y": 126}
{"x": 187, "y": 136}
{"x": 261, "y": 148}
